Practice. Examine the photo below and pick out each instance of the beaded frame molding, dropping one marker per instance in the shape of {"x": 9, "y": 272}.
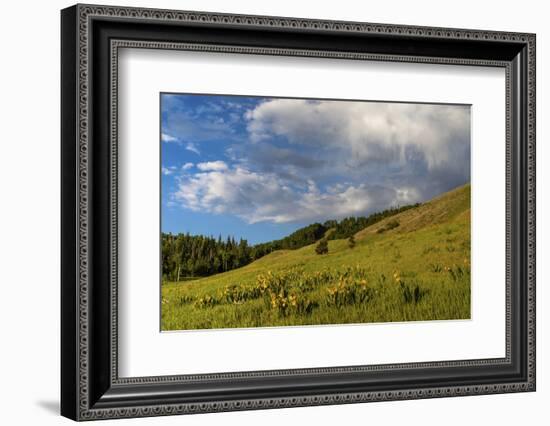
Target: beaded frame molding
{"x": 91, "y": 38}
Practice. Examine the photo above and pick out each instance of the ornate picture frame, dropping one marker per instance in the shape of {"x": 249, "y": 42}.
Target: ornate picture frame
{"x": 91, "y": 37}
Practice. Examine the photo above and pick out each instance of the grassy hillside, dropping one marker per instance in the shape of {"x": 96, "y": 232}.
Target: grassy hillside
{"x": 411, "y": 266}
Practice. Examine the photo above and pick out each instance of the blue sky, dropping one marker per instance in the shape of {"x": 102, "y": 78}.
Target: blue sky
{"x": 259, "y": 168}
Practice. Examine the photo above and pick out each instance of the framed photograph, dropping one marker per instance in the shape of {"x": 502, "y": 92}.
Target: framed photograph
{"x": 263, "y": 212}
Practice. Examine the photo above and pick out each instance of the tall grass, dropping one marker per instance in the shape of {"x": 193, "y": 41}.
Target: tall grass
{"x": 331, "y": 296}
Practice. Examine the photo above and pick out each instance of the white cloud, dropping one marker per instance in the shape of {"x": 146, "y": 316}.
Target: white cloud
{"x": 256, "y": 197}
{"x": 212, "y": 166}
{"x": 187, "y": 166}
{"x": 190, "y": 146}
{"x": 167, "y": 138}
{"x": 168, "y": 170}
{"x": 366, "y": 131}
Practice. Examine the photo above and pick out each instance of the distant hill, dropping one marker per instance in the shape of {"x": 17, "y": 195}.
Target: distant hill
{"x": 330, "y": 229}
{"x": 445, "y": 208}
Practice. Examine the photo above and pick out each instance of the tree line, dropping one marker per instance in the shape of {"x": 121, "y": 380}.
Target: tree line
{"x": 187, "y": 256}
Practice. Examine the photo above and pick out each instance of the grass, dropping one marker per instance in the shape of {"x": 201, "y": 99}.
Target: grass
{"x": 416, "y": 270}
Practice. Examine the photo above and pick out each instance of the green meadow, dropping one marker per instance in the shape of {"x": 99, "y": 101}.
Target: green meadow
{"x": 413, "y": 266}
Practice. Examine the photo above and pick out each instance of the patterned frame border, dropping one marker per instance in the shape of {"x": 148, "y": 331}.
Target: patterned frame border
{"x": 116, "y": 45}
{"x": 86, "y": 13}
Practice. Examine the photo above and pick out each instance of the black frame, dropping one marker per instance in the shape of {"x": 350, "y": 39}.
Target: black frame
{"x": 91, "y": 37}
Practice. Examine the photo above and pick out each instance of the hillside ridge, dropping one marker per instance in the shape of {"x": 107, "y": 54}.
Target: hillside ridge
{"x": 449, "y": 206}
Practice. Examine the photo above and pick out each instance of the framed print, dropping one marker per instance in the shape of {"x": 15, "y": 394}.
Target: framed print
{"x": 263, "y": 212}
{"x": 289, "y": 166}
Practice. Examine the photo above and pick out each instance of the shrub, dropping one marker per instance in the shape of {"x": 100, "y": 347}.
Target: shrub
{"x": 285, "y": 292}
{"x": 392, "y": 224}
{"x": 206, "y": 302}
{"x": 458, "y": 272}
{"x": 435, "y": 267}
{"x": 290, "y": 303}
{"x": 349, "y": 292}
{"x": 411, "y": 294}
{"x": 186, "y": 299}
{"x": 351, "y": 242}
{"x": 237, "y": 294}
{"x": 303, "y": 306}
{"x": 322, "y": 247}
{"x": 272, "y": 283}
